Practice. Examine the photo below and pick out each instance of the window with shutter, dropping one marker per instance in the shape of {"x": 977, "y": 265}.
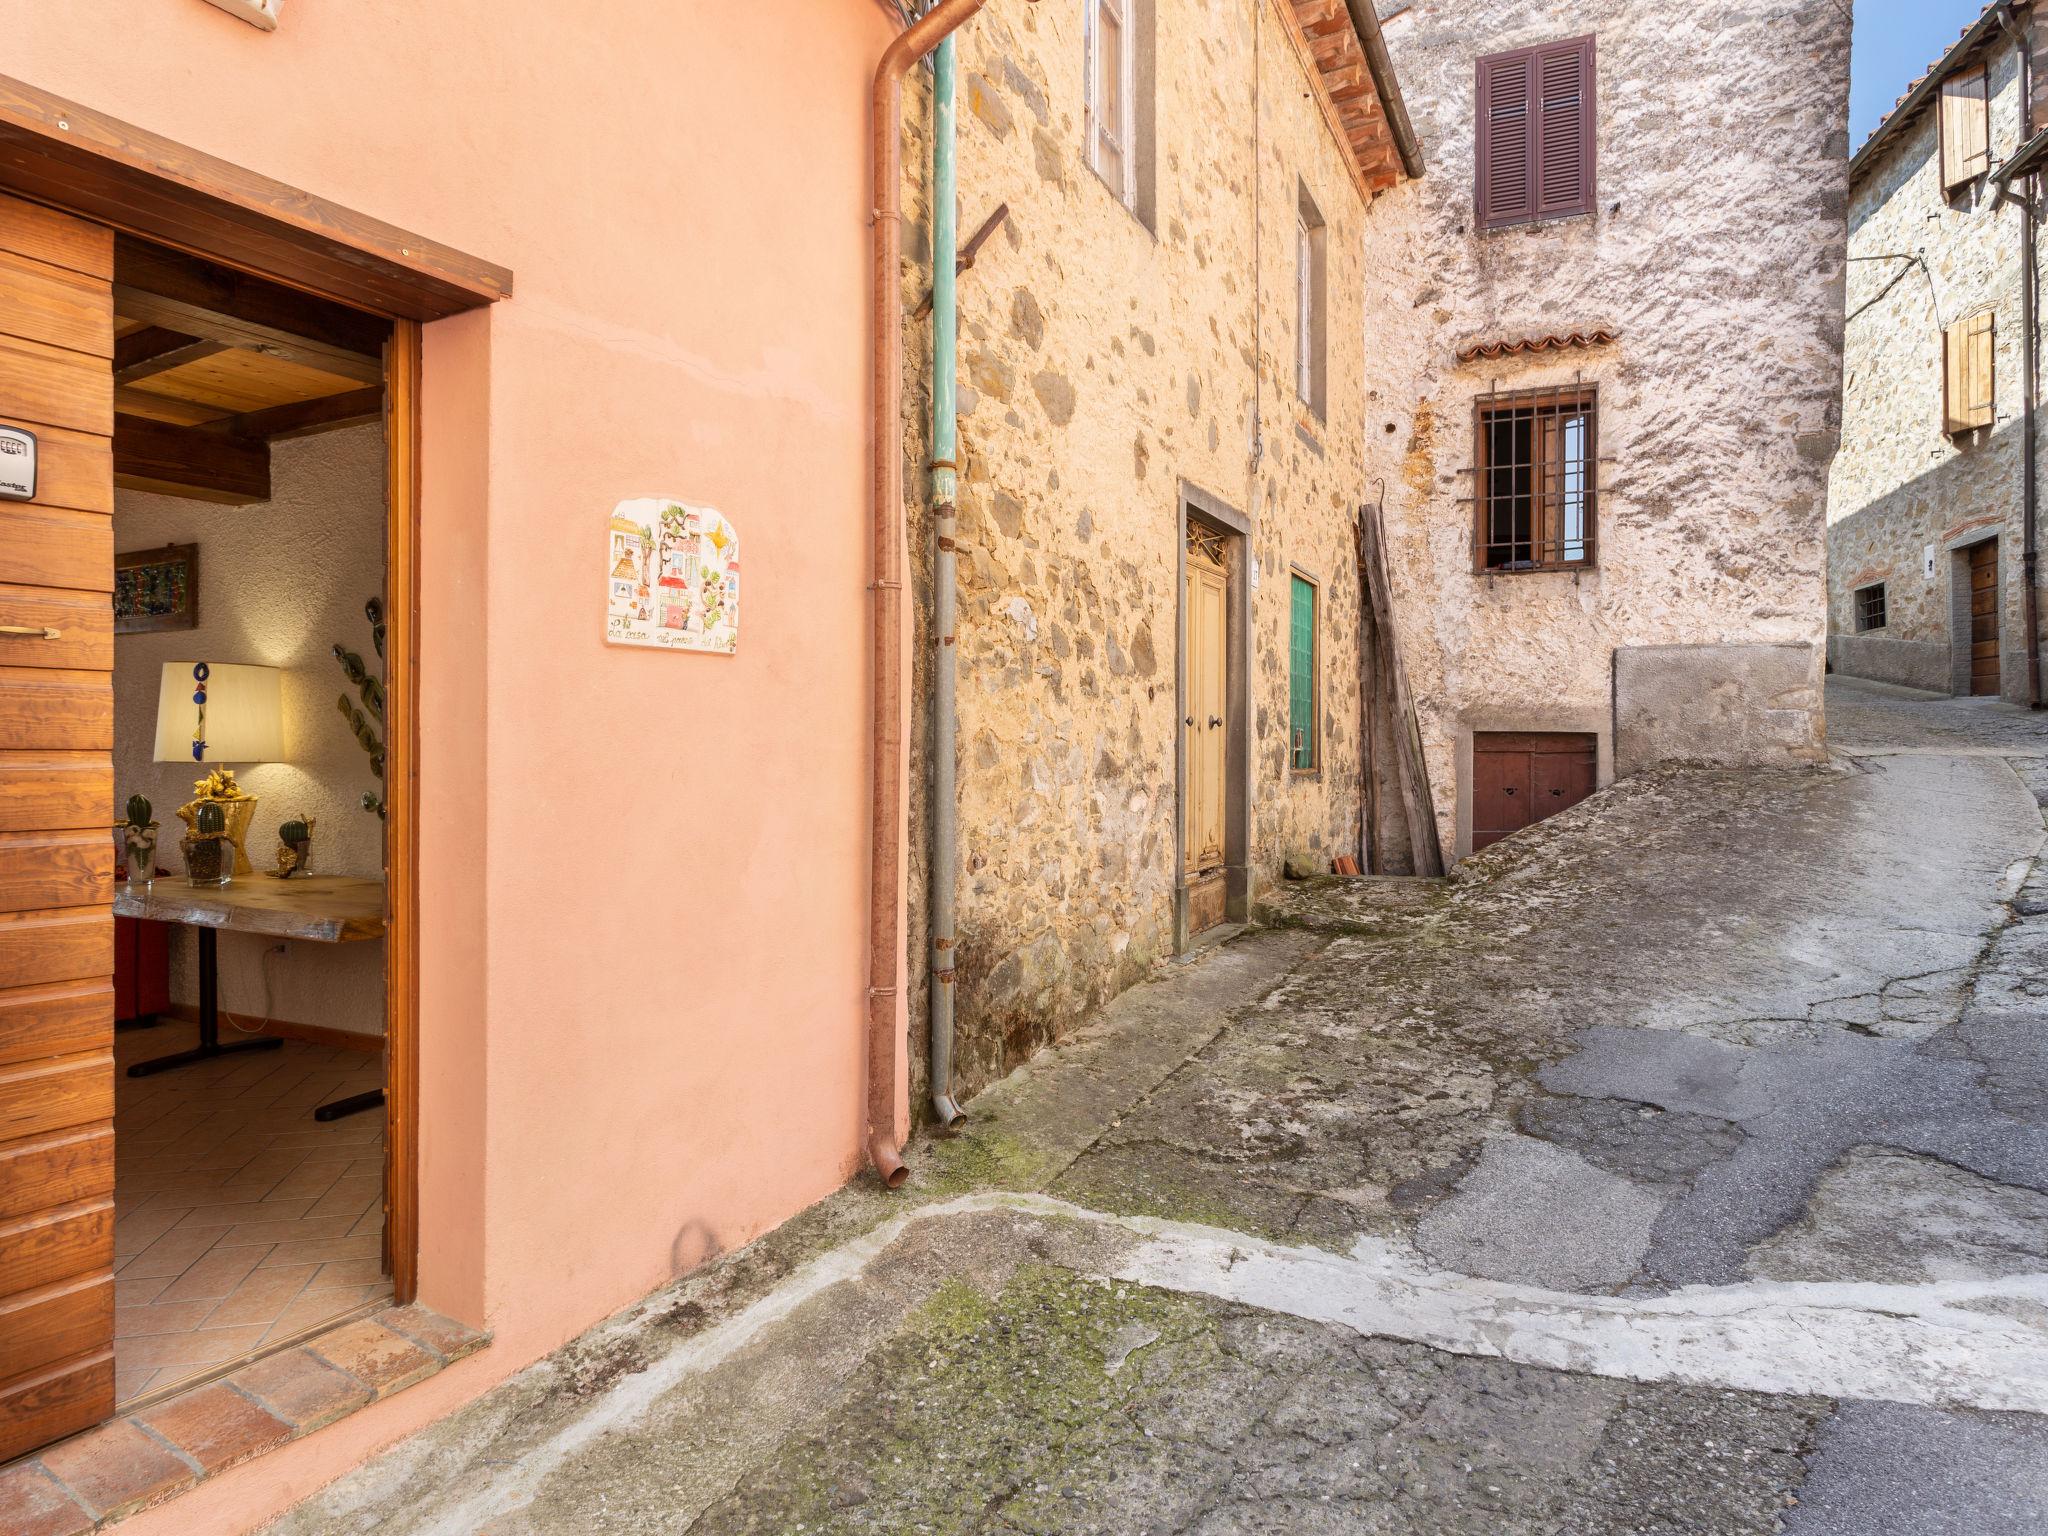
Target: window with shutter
{"x": 1111, "y": 94}
{"x": 1304, "y": 749}
{"x": 1965, "y": 128}
{"x": 1969, "y": 377}
{"x": 1536, "y": 133}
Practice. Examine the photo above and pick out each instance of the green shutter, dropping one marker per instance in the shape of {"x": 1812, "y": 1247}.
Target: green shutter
{"x": 1301, "y": 683}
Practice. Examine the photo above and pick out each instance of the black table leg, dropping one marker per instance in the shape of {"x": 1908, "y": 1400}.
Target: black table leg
{"x": 209, "y": 1018}
{"x": 354, "y": 1104}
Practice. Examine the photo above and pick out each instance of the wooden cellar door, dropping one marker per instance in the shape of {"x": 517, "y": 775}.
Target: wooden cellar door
{"x": 56, "y": 848}
{"x": 1520, "y": 777}
{"x": 1984, "y": 659}
{"x": 1207, "y": 609}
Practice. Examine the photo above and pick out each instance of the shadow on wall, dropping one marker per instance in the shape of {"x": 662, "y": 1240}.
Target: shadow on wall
{"x": 1923, "y": 641}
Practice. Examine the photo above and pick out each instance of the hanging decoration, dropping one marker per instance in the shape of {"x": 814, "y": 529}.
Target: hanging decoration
{"x": 199, "y": 676}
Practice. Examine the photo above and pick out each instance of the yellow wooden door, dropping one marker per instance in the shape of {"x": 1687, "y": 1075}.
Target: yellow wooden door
{"x": 56, "y": 847}
{"x": 1205, "y": 723}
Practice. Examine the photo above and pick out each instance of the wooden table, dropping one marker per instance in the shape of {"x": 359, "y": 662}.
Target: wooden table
{"x": 327, "y": 909}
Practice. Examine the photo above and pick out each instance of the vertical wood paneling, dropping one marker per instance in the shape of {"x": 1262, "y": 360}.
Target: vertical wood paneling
{"x": 56, "y": 853}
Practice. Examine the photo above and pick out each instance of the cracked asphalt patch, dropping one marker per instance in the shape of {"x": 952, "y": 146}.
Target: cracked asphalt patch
{"x": 1679, "y": 1165}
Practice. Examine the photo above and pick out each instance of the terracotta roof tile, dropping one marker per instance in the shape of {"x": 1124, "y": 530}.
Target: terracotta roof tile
{"x": 1529, "y": 344}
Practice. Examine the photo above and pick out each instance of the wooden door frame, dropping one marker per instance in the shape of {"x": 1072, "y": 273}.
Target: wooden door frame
{"x": 1962, "y": 661}
{"x": 1198, "y": 505}
{"x": 96, "y": 167}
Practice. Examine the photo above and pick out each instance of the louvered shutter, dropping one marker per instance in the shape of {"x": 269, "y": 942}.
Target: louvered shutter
{"x": 1536, "y": 133}
{"x": 1507, "y": 183}
{"x": 1564, "y": 129}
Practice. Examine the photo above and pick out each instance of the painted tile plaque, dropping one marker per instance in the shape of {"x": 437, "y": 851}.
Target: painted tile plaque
{"x": 673, "y": 577}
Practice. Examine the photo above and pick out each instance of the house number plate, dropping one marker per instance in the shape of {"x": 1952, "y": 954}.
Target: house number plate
{"x": 17, "y": 464}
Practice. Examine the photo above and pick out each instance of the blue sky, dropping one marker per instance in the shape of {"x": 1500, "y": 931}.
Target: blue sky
{"x": 1895, "y": 42}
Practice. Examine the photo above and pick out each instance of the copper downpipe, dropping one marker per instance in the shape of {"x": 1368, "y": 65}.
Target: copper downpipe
{"x": 887, "y": 1008}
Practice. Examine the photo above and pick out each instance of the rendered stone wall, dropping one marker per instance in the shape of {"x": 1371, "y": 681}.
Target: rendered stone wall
{"x": 1716, "y": 253}
{"x": 1103, "y": 364}
{"x": 1900, "y": 485}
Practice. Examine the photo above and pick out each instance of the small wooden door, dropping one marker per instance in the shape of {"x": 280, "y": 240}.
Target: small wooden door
{"x": 1207, "y": 610}
{"x": 1520, "y": 777}
{"x": 1984, "y": 660}
{"x": 56, "y": 847}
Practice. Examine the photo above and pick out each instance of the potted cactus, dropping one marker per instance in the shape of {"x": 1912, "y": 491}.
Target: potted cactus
{"x": 138, "y": 838}
{"x": 209, "y": 859}
{"x": 296, "y": 856}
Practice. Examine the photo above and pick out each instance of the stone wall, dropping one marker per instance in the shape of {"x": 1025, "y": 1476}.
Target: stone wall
{"x": 1716, "y": 254}
{"x": 1902, "y": 490}
{"x": 1106, "y": 362}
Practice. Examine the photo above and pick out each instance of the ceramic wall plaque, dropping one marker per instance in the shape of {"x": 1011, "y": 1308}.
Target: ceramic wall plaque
{"x": 672, "y": 577}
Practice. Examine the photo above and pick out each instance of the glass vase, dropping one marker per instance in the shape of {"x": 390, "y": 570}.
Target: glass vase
{"x": 141, "y": 853}
{"x": 208, "y": 861}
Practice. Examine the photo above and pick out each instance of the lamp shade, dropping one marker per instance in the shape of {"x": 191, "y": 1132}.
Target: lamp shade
{"x": 239, "y": 719}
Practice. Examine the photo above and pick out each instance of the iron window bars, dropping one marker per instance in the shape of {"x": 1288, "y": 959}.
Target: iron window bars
{"x": 1870, "y": 608}
{"x": 1535, "y": 494}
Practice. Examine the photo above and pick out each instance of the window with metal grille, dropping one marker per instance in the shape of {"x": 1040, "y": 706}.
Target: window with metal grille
{"x": 1537, "y": 130}
{"x": 1303, "y": 742}
{"x": 1870, "y": 607}
{"x": 1534, "y": 480}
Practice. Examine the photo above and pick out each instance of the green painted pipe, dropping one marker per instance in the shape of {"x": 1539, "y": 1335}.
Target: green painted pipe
{"x": 945, "y": 486}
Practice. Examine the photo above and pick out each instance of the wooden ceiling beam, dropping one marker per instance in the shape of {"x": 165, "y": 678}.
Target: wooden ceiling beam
{"x": 301, "y": 418}
{"x": 198, "y": 299}
{"x": 152, "y": 350}
{"x": 197, "y": 462}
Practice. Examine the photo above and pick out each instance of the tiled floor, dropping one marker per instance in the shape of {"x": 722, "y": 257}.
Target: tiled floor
{"x": 240, "y": 1221}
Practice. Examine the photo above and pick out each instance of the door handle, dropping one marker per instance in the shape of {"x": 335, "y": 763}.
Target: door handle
{"x": 1215, "y": 721}
{"x": 33, "y": 631}
{"x": 1191, "y": 721}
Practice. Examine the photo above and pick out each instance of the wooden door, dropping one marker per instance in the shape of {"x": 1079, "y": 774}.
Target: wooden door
{"x": 1206, "y": 722}
{"x": 1984, "y": 660}
{"x": 56, "y": 849}
{"x": 1520, "y": 777}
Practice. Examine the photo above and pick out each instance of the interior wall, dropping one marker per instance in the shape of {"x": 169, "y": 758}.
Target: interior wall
{"x": 279, "y": 585}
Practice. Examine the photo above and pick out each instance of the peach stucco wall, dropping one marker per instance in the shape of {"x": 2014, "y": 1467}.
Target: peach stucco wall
{"x": 643, "y": 881}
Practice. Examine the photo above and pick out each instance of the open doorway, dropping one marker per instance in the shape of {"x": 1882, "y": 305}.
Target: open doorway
{"x": 200, "y": 1015}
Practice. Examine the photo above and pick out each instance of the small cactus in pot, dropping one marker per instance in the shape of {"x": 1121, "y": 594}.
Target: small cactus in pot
{"x": 208, "y": 860}
{"x": 138, "y": 841}
{"x": 296, "y": 856}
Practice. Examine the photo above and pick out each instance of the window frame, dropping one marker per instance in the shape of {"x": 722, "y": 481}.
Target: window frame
{"x": 1863, "y": 606}
{"x": 1124, "y": 135}
{"x": 1485, "y": 218}
{"x": 1552, "y": 401}
{"x": 1311, "y": 305}
{"x": 1300, "y": 580}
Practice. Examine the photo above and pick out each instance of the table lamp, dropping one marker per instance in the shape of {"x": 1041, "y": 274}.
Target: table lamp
{"x": 216, "y": 713}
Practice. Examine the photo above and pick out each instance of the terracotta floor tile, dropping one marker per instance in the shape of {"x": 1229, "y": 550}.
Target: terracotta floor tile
{"x": 32, "y": 1504}
{"x": 117, "y": 1469}
{"x": 377, "y": 1356}
{"x": 300, "y": 1388}
{"x": 135, "y": 1231}
{"x": 131, "y": 1381}
{"x": 244, "y": 1211}
{"x": 265, "y": 1233}
{"x": 140, "y": 1291}
{"x": 370, "y": 1223}
{"x": 214, "y": 1276}
{"x": 217, "y": 1426}
{"x": 312, "y": 1308}
{"x": 262, "y": 1295}
{"x": 206, "y": 1346}
{"x": 172, "y": 1254}
{"x": 324, "y": 1252}
{"x": 164, "y": 1317}
{"x": 309, "y": 1183}
{"x": 343, "y": 1272}
{"x": 350, "y": 1197}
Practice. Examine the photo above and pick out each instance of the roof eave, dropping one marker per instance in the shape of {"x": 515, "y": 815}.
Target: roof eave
{"x": 1929, "y": 86}
{"x": 1366, "y": 22}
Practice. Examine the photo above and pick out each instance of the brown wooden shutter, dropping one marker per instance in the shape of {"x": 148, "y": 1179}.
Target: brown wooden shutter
{"x": 1564, "y": 129}
{"x": 1969, "y": 373}
{"x": 1965, "y": 128}
{"x": 1536, "y": 133}
{"x": 1507, "y": 179}
{"x": 56, "y": 846}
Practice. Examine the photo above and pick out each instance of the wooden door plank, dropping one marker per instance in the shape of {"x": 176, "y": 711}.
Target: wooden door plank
{"x": 44, "y": 790}
{"x": 49, "y": 304}
{"x": 64, "y": 944}
{"x": 29, "y": 229}
{"x": 61, "y": 1400}
{"x": 56, "y": 547}
{"x": 58, "y": 1170}
{"x": 84, "y": 622}
{"x": 56, "y": 708}
{"x": 70, "y": 1018}
{"x": 54, "y": 1244}
{"x": 39, "y": 1329}
{"x": 45, "y": 386}
{"x": 39, "y": 1098}
{"x": 56, "y": 869}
